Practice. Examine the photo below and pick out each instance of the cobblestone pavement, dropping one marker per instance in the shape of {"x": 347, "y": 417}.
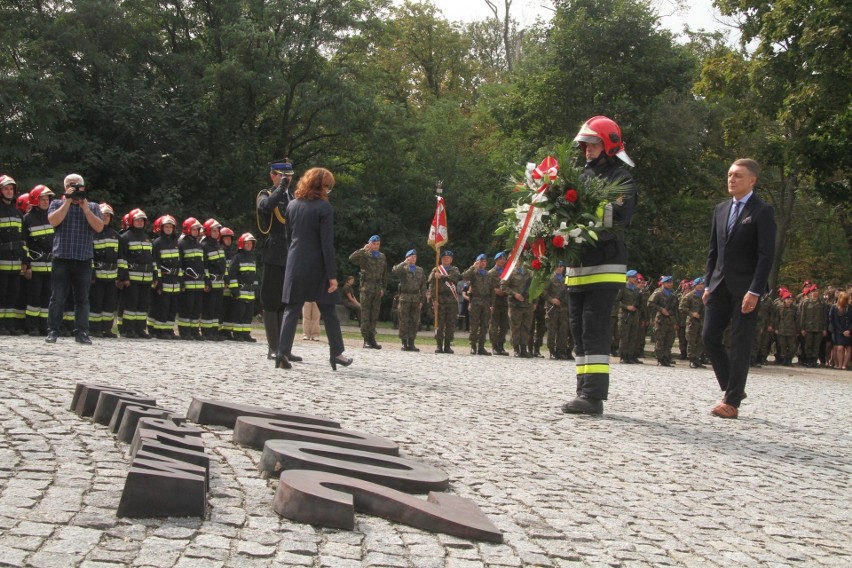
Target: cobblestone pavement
{"x": 656, "y": 481}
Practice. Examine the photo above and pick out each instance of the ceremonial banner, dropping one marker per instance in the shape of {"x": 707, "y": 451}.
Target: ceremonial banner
{"x": 438, "y": 235}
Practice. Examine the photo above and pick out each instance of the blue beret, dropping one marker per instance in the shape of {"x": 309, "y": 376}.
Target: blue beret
{"x": 375, "y": 239}
{"x": 412, "y": 252}
{"x": 447, "y": 253}
{"x": 631, "y": 273}
{"x": 560, "y": 263}
{"x": 665, "y": 279}
{"x": 481, "y": 257}
{"x": 285, "y": 167}
{"x": 499, "y": 255}
{"x": 698, "y": 281}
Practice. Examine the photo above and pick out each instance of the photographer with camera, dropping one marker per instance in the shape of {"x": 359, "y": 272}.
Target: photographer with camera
{"x": 75, "y": 222}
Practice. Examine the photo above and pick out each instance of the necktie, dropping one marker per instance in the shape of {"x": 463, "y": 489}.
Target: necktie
{"x": 735, "y": 213}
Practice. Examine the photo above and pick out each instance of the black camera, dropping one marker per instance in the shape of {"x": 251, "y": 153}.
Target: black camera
{"x": 79, "y": 191}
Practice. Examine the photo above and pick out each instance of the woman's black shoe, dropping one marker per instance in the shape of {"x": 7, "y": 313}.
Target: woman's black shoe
{"x": 340, "y": 360}
{"x": 281, "y": 362}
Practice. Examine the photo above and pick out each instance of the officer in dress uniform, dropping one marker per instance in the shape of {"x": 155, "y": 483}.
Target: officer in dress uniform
{"x": 374, "y": 279}
{"x": 412, "y": 290}
{"x": 103, "y": 293}
{"x": 445, "y": 276}
{"x": 499, "y": 307}
{"x": 271, "y": 205}
{"x": 38, "y": 233}
{"x": 479, "y": 309}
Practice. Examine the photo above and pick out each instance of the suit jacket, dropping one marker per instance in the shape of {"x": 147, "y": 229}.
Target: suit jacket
{"x": 743, "y": 258}
{"x": 310, "y": 258}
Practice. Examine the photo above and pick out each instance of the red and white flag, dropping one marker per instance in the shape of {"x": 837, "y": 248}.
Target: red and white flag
{"x": 438, "y": 235}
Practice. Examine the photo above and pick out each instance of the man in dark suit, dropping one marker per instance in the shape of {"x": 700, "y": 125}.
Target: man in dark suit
{"x": 742, "y": 246}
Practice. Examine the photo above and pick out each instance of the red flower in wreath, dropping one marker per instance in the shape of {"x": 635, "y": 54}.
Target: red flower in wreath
{"x": 559, "y": 241}
{"x": 535, "y": 264}
{"x": 539, "y": 248}
{"x": 571, "y": 195}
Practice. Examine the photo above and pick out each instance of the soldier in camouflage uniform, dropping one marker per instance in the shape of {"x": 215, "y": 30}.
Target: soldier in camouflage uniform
{"x": 813, "y": 323}
{"x": 644, "y": 318}
{"x": 682, "y": 318}
{"x": 479, "y": 310}
{"x": 445, "y": 276}
{"x": 555, "y": 296}
{"x": 663, "y": 304}
{"x": 412, "y": 290}
{"x": 517, "y": 288}
{"x": 629, "y": 304}
{"x": 499, "y": 307}
{"x": 786, "y": 326}
{"x": 693, "y": 306}
{"x": 374, "y": 279}
{"x": 539, "y": 326}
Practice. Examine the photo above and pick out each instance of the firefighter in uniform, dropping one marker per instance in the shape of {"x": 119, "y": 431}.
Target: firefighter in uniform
{"x": 38, "y": 233}
{"x": 663, "y": 304}
{"x": 103, "y": 293}
{"x": 412, "y": 289}
{"x": 226, "y": 239}
{"x": 555, "y": 297}
{"x": 499, "y": 307}
{"x": 271, "y": 205}
{"x": 214, "y": 263}
{"x": 193, "y": 280}
{"x": 18, "y": 312}
{"x": 517, "y": 289}
{"x": 11, "y": 255}
{"x": 479, "y": 310}
{"x": 136, "y": 274}
{"x": 242, "y": 282}
{"x": 594, "y": 281}
{"x": 165, "y": 299}
{"x": 374, "y": 279}
{"x": 445, "y": 277}
{"x": 629, "y": 305}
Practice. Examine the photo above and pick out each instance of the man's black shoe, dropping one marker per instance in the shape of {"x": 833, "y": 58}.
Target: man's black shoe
{"x": 52, "y": 336}
{"x": 83, "y": 337}
{"x": 583, "y": 405}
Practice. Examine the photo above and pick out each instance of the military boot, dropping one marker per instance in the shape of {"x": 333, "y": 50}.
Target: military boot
{"x": 373, "y": 343}
{"x": 447, "y": 347}
{"x": 411, "y": 346}
{"x": 517, "y": 350}
{"x": 482, "y": 350}
{"x": 473, "y": 349}
{"x": 367, "y": 344}
{"x": 272, "y": 328}
{"x": 440, "y": 348}
{"x": 537, "y": 352}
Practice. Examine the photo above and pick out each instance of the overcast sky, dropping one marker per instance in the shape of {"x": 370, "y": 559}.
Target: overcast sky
{"x": 698, "y": 13}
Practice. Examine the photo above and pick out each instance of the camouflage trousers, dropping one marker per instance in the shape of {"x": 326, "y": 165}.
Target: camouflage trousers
{"x": 694, "y": 341}
{"x": 499, "y": 325}
{"x": 628, "y": 330}
{"x": 557, "y": 329}
{"x": 520, "y": 320}
{"x": 664, "y": 336}
{"x": 371, "y": 303}
{"x": 448, "y": 316}
{"x": 409, "y": 318}
{"x": 480, "y": 318}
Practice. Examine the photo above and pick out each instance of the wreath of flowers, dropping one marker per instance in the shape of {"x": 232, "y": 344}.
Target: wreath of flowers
{"x": 557, "y": 212}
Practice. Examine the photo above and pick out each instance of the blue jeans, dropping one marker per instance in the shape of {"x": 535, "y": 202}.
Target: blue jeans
{"x": 67, "y": 276}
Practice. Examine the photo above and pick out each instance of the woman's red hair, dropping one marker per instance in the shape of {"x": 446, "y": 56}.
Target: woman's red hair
{"x": 315, "y": 184}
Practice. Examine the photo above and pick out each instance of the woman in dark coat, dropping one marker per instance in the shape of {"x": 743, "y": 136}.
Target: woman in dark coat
{"x": 311, "y": 274}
